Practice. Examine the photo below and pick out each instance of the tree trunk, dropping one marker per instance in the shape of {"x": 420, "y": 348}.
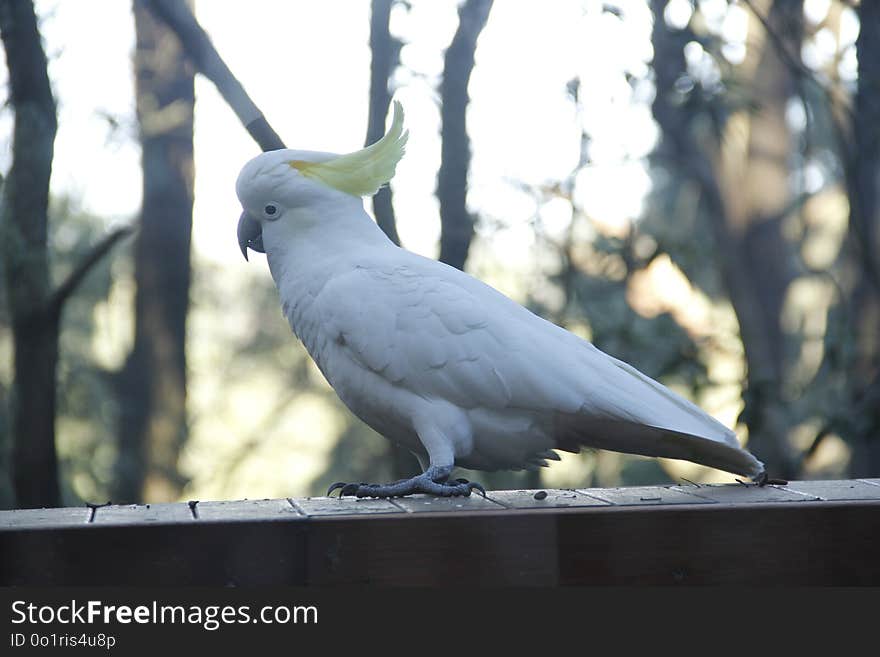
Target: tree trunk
{"x": 864, "y": 247}
{"x": 457, "y": 224}
{"x": 386, "y": 58}
{"x": 153, "y": 422}
{"x": 746, "y": 194}
{"x": 24, "y": 221}
{"x": 758, "y": 198}
{"x": 33, "y": 404}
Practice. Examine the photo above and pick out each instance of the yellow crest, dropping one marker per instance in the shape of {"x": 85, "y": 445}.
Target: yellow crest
{"x": 363, "y": 172}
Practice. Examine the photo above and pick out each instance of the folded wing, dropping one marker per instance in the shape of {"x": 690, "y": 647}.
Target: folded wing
{"x": 442, "y": 334}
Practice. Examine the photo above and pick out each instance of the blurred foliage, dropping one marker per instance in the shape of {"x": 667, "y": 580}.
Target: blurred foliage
{"x": 86, "y": 405}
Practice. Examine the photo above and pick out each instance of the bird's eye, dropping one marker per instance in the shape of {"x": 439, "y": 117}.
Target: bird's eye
{"x": 271, "y": 211}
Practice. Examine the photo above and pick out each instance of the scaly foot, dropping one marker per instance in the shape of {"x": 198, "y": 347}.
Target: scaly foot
{"x": 434, "y": 481}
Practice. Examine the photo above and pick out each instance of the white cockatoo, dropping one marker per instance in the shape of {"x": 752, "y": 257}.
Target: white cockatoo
{"x": 434, "y": 359}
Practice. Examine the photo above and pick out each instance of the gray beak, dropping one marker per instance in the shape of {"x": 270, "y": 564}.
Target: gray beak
{"x": 250, "y": 235}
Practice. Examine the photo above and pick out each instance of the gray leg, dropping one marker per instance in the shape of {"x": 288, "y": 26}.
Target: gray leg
{"x": 433, "y": 481}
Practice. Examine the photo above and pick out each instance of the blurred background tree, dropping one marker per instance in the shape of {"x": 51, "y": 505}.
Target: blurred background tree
{"x": 34, "y": 301}
{"x": 690, "y": 184}
{"x": 152, "y": 383}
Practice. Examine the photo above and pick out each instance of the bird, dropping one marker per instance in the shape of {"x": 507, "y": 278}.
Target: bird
{"x": 434, "y": 359}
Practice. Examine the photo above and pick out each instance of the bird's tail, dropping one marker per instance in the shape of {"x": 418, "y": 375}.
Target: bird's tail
{"x": 627, "y": 411}
{"x": 575, "y": 430}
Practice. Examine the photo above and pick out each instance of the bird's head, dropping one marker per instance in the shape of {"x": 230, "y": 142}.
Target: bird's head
{"x": 274, "y": 183}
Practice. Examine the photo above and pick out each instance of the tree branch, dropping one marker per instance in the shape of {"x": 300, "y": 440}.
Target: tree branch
{"x": 74, "y": 278}
{"x": 198, "y": 47}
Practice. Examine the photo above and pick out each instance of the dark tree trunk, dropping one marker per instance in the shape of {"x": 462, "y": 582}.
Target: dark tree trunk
{"x": 766, "y": 196}
{"x": 864, "y": 245}
{"x": 457, "y": 224}
{"x": 746, "y": 202}
{"x": 24, "y": 224}
{"x": 758, "y": 198}
{"x": 33, "y": 404}
{"x": 386, "y": 58}
{"x": 153, "y": 422}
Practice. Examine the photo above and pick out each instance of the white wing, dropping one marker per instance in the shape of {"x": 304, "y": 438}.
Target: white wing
{"x": 441, "y": 334}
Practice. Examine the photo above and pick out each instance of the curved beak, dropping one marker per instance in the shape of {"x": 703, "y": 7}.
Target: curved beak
{"x": 250, "y": 235}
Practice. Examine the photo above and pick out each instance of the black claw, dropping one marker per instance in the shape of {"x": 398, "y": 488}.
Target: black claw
{"x": 349, "y": 489}
{"x": 462, "y": 481}
{"x": 476, "y": 486}
{"x": 336, "y": 486}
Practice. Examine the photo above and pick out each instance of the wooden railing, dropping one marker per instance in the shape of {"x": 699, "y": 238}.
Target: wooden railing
{"x": 809, "y": 532}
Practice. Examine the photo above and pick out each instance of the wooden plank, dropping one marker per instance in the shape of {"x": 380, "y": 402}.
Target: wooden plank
{"x": 644, "y": 496}
{"x": 544, "y": 499}
{"x": 837, "y": 490}
{"x": 156, "y": 554}
{"x": 142, "y": 513}
{"x": 346, "y": 506}
{"x": 746, "y": 493}
{"x": 708, "y": 543}
{"x": 810, "y": 543}
{"x": 435, "y": 549}
{"x": 245, "y": 510}
{"x": 24, "y": 518}
{"x": 769, "y": 543}
{"x": 322, "y": 506}
{"x": 429, "y": 504}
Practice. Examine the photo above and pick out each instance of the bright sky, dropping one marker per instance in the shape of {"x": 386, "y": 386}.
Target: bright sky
{"x": 306, "y": 64}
